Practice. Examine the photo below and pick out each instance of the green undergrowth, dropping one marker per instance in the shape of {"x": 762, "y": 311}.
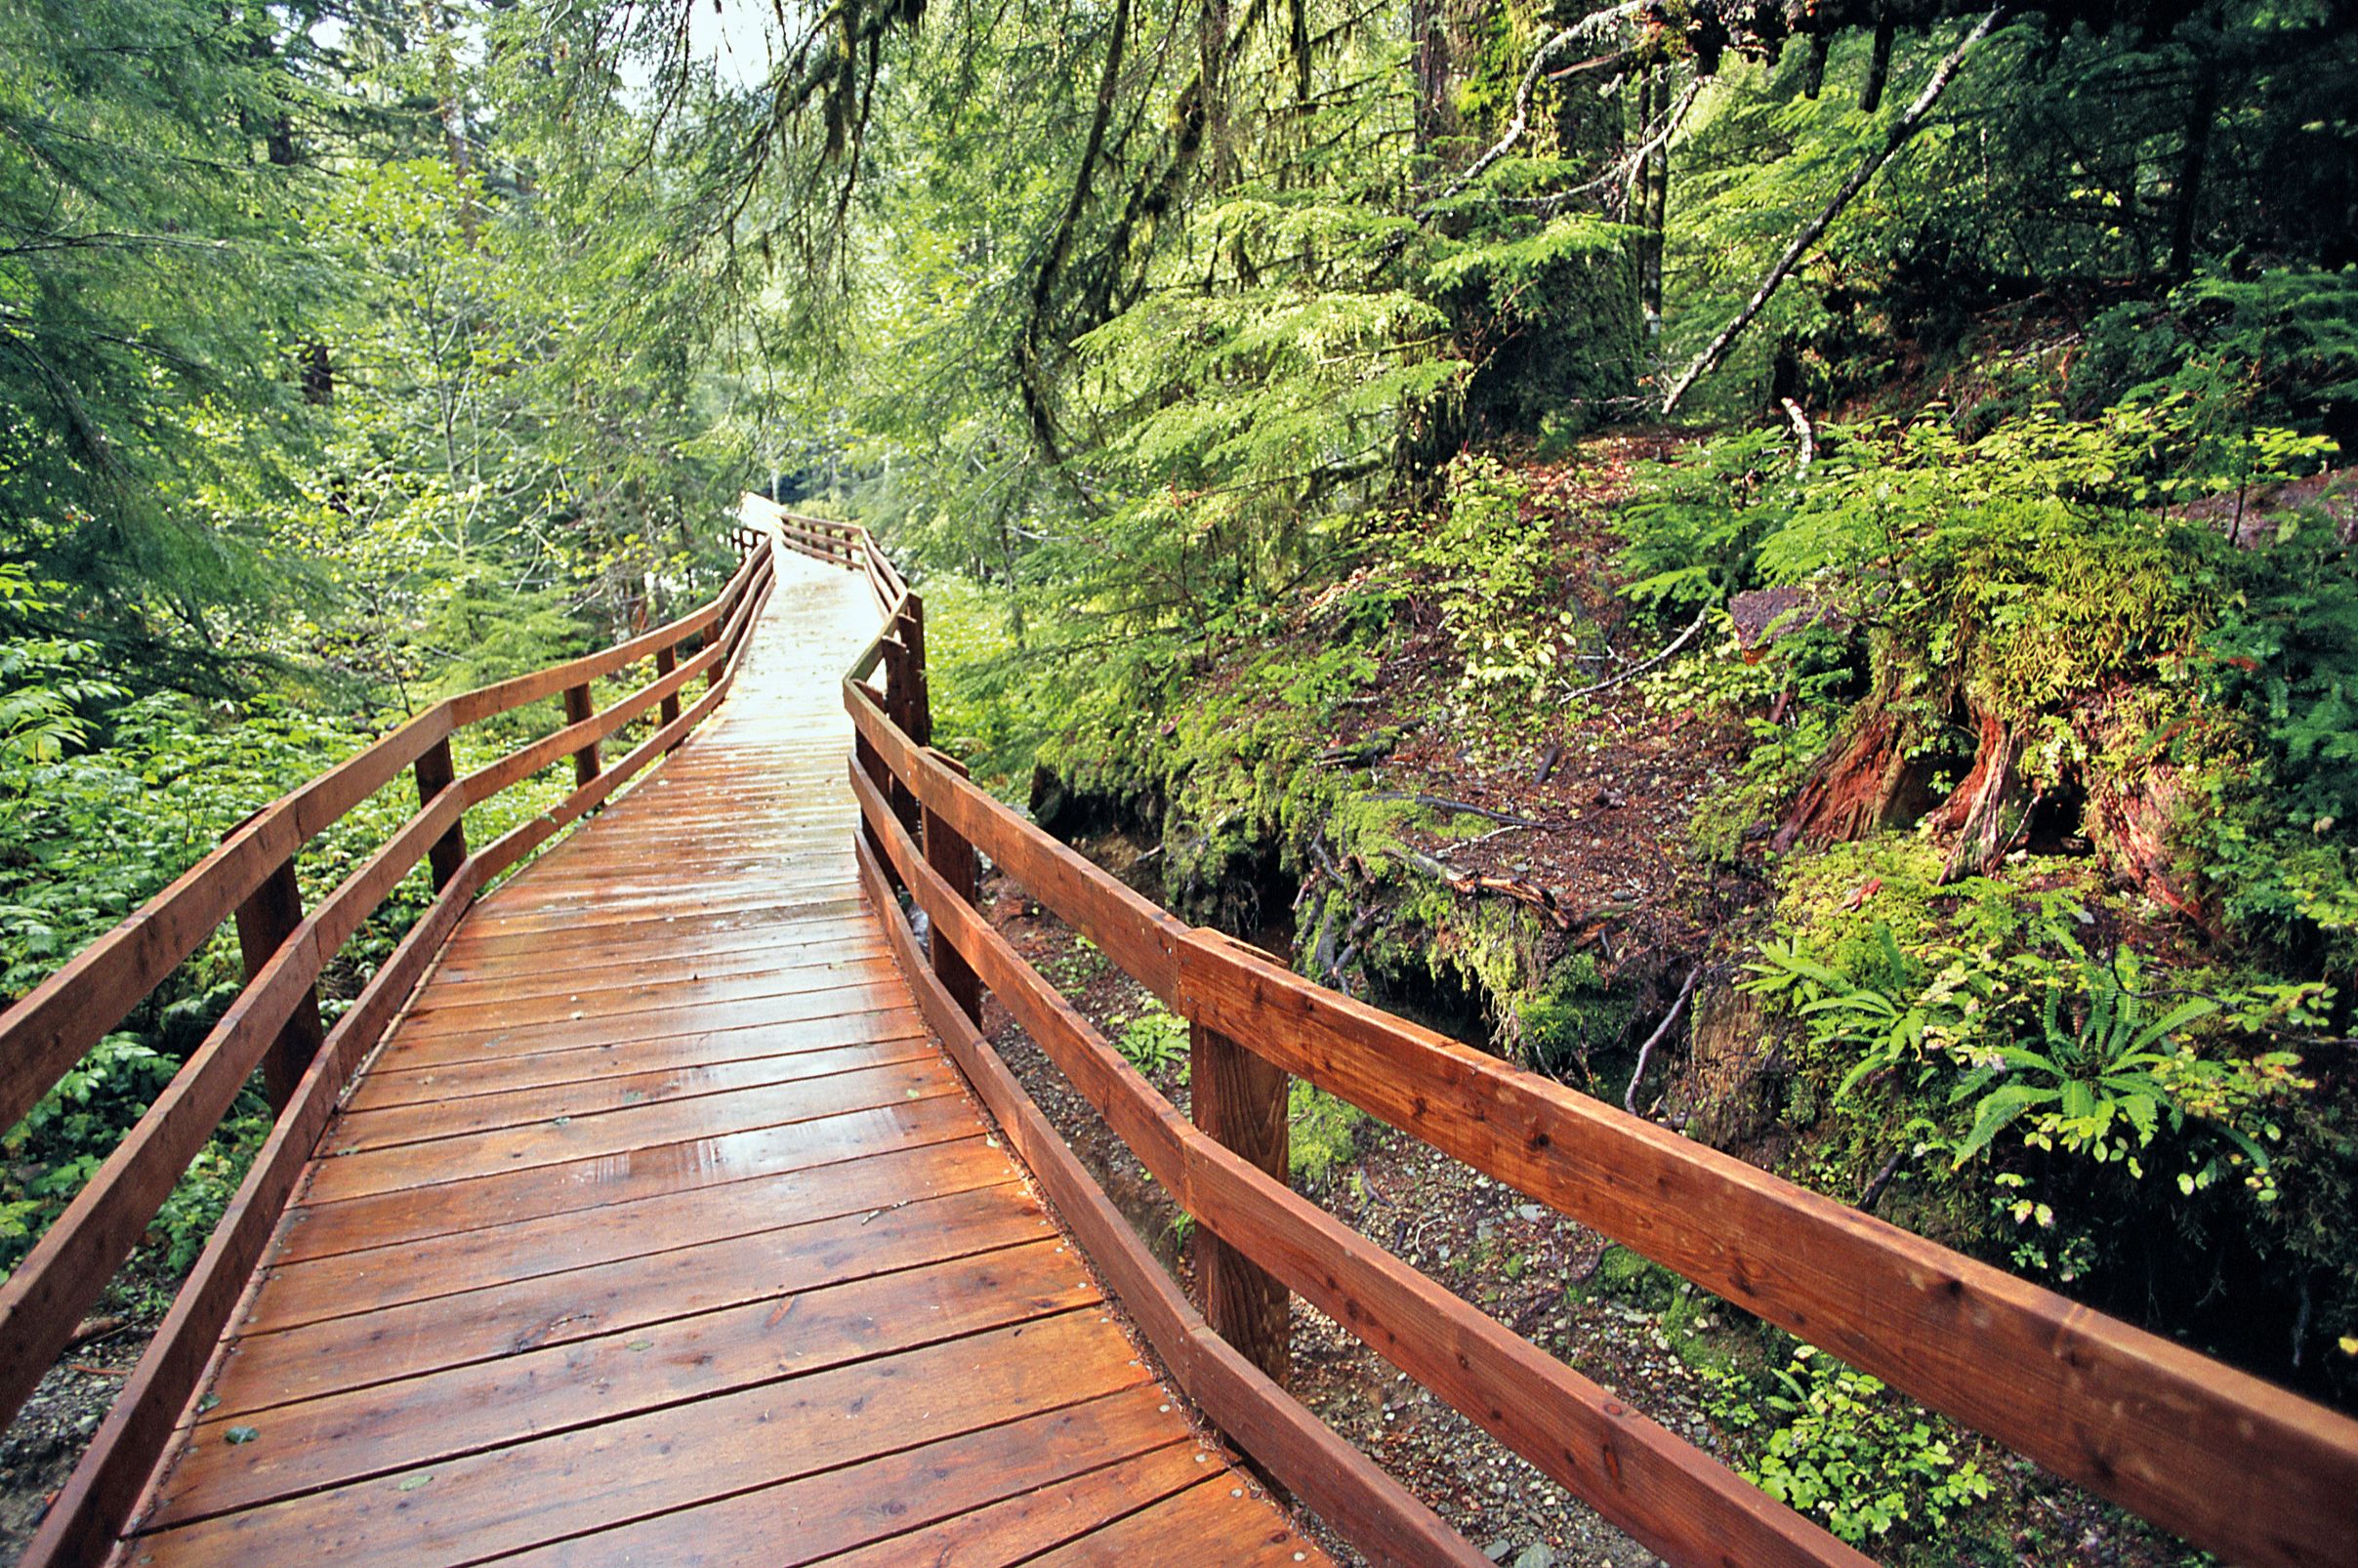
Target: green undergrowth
{"x": 105, "y": 797}
{"x": 2092, "y": 1052}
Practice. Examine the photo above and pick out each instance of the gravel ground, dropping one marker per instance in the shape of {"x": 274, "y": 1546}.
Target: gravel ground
{"x": 40, "y": 1448}
{"x": 1437, "y": 1215}
{"x": 1532, "y": 1270}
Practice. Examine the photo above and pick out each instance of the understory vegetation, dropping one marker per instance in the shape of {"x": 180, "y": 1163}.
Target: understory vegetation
{"x": 1791, "y": 568}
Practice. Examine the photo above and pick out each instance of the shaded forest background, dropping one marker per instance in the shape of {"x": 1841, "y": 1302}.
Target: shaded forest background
{"x": 1924, "y": 420}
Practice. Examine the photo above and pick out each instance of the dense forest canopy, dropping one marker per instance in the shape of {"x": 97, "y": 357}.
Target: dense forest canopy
{"x": 1928, "y": 419}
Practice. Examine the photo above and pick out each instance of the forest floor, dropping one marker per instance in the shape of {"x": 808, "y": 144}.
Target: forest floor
{"x": 1551, "y": 1279}
{"x": 1611, "y": 786}
{"x": 45, "y": 1442}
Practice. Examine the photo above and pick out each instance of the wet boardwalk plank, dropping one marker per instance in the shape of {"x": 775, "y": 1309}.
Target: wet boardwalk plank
{"x": 661, "y": 1231}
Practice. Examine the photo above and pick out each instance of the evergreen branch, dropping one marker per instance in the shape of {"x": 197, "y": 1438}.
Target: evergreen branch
{"x": 1897, "y": 137}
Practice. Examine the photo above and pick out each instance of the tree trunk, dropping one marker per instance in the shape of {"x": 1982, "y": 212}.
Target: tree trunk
{"x": 1865, "y": 784}
{"x": 1435, "y": 105}
{"x": 2132, "y": 812}
{"x": 1879, "y": 67}
{"x": 1658, "y": 208}
{"x": 1987, "y": 809}
{"x": 1813, "y": 69}
{"x": 2189, "y": 193}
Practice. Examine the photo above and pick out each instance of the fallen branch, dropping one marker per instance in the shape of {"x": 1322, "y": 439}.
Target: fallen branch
{"x": 1522, "y": 892}
{"x": 1902, "y": 128}
{"x": 1442, "y": 802}
{"x": 1522, "y": 119}
{"x": 1809, "y": 438}
{"x": 1874, "y": 1194}
{"x": 1636, "y": 669}
{"x": 1629, "y": 1099}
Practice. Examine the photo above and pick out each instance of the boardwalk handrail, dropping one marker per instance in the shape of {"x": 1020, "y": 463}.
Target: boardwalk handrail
{"x": 274, "y": 1022}
{"x": 2234, "y": 1463}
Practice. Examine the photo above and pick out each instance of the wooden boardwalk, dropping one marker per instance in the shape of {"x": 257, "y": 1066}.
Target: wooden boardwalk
{"x": 662, "y": 1231}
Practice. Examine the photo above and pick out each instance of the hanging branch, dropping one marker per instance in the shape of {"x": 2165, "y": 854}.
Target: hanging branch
{"x": 1629, "y": 1099}
{"x": 1905, "y": 127}
{"x": 1029, "y": 376}
{"x": 1522, "y": 120}
{"x": 1636, "y": 669}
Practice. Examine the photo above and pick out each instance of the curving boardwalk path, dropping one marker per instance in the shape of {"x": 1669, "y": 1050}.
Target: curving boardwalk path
{"x": 661, "y": 1231}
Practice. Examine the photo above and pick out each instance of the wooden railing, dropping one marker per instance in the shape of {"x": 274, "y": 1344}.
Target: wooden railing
{"x": 2231, "y": 1463}
{"x": 275, "y": 1024}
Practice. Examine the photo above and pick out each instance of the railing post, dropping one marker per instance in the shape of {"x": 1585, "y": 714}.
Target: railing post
{"x": 264, "y": 921}
{"x": 919, "y": 704}
{"x": 1240, "y": 1102}
{"x": 449, "y": 851}
{"x": 577, "y": 709}
{"x": 898, "y": 685}
{"x": 872, "y": 762}
{"x": 954, "y": 861}
{"x": 666, "y": 661}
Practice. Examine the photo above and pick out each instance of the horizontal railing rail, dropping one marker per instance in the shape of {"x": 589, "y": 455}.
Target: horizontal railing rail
{"x": 2232, "y": 1463}
{"x": 275, "y": 1023}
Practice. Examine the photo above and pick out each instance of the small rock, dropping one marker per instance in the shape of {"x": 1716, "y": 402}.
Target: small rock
{"x": 1537, "y": 1556}
{"x": 1497, "y": 1550}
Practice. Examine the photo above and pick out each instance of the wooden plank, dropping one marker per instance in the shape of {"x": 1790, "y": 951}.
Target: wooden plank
{"x": 1049, "y": 1515}
{"x": 519, "y": 975}
{"x": 54, "y": 1024}
{"x": 767, "y": 906}
{"x": 577, "y": 712}
{"x": 1136, "y": 935}
{"x": 397, "y": 1268}
{"x": 1668, "y": 1494}
{"x": 352, "y": 1436}
{"x": 105, "y": 1485}
{"x": 954, "y": 862}
{"x": 1240, "y": 1102}
{"x": 1215, "y": 1521}
{"x": 266, "y": 922}
{"x": 436, "y": 773}
{"x": 1121, "y": 1435}
{"x": 701, "y": 1161}
{"x": 1371, "y": 1511}
{"x": 667, "y": 660}
{"x": 484, "y": 1113}
{"x": 384, "y": 1088}
{"x": 653, "y": 1023}
{"x": 58, "y": 1280}
{"x": 479, "y": 1507}
{"x": 649, "y": 1282}
{"x": 627, "y": 941}
{"x": 2228, "y": 1460}
{"x": 621, "y": 1132}
{"x": 477, "y": 1013}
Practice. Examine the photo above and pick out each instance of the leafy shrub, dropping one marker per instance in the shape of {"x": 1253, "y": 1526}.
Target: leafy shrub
{"x": 1321, "y": 1133}
{"x": 1154, "y": 1039}
{"x": 2028, "y": 1029}
{"x": 1846, "y": 1448}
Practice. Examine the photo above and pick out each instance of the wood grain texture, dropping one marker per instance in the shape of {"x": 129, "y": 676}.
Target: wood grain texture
{"x": 2216, "y": 1454}
{"x": 1371, "y": 1510}
{"x": 605, "y": 1243}
{"x": 1239, "y": 1100}
{"x": 2234, "y": 1463}
{"x": 1668, "y": 1494}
